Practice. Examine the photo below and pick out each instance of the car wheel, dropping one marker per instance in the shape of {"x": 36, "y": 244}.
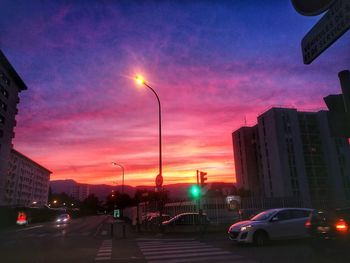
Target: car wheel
{"x": 260, "y": 238}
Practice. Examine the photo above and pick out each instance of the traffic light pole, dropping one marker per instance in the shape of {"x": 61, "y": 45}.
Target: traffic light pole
{"x": 198, "y": 199}
{"x": 339, "y": 108}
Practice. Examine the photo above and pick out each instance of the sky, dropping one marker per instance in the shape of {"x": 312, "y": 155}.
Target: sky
{"x": 216, "y": 65}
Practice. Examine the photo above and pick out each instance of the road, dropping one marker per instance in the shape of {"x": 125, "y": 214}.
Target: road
{"x": 89, "y": 239}
{"x": 49, "y": 242}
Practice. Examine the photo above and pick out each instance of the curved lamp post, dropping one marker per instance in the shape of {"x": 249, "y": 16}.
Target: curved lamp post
{"x": 140, "y": 80}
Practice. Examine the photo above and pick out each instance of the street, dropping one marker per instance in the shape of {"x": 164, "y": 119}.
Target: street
{"x": 89, "y": 239}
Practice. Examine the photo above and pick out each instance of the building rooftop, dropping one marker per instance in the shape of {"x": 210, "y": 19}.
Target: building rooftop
{"x": 4, "y": 61}
{"x": 22, "y": 155}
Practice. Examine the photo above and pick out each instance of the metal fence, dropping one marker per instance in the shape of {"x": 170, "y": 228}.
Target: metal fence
{"x": 217, "y": 209}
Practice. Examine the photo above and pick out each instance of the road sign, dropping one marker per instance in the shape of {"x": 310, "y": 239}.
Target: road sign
{"x": 327, "y": 30}
{"x": 311, "y": 7}
{"x": 159, "y": 180}
{"x": 116, "y": 213}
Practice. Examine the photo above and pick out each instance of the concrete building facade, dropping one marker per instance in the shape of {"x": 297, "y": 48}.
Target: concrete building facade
{"x": 245, "y": 146}
{"x": 27, "y": 182}
{"x": 10, "y": 87}
{"x": 294, "y": 155}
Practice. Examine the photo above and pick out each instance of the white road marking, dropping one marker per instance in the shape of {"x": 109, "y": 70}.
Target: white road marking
{"x": 29, "y": 228}
{"x": 105, "y": 251}
{"x": 185, "y": 251}
{"x": 102, "y": 258}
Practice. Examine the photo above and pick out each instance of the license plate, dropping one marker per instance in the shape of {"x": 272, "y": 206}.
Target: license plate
{"x": 323, "y": 229}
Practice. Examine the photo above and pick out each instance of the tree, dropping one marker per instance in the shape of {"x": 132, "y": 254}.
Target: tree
{"x": 91, "y": 203}
{"x": 61, "y": 200}
{"x": 243, "y": 192}
{"x": 118, "y": 200}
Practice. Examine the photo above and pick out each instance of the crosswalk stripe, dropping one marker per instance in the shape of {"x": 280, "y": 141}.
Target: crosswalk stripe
{"x": 166, "y": 242}
{"x": 161, "y": 240}
{"x": 183, "y": 252}
{"x": 194, "y": 254}
{"x": 105, "y": 250}
{"x": 102, "y": 258}
{"x": 174, "y": 248}
{"x": 237, "y": 259}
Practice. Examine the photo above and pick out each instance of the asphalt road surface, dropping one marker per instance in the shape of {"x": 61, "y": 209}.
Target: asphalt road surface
{"x": 89, "y": 239}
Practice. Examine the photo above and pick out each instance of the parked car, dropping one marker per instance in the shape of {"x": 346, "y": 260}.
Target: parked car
{"x": 147, "y": 216}
{"x": 63, "y": 219}
{"x": 330, "y": 231}
{"x": 156, "y": 220}
{"x": 187, "y": 222}
{"x": 246, "y": 214}
{"x": 272, "y": 224}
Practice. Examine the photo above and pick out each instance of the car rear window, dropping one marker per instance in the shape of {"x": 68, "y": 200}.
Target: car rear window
{"x": 300, "y": 213}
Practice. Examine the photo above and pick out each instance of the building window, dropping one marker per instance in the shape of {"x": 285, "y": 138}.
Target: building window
{"x": 4, "y": 91}
{"x": 4, "y": 78}
{"x": 3, "y": 105}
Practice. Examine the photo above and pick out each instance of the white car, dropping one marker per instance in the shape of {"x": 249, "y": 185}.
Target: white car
{"x": 272, "y": 224}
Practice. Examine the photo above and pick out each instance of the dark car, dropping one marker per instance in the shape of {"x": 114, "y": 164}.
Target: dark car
{"x": 156, "y": 219}
{"x": 187, "y": 222}
{"x": 329, "y": 231}
{"x": 63, "y": 219}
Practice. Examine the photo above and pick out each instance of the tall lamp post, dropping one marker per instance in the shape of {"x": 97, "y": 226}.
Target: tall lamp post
{"x": 141, "y": 81}
{"x": 121, "y": 166}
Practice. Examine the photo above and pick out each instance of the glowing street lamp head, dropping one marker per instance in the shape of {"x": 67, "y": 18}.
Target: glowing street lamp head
{"x": 139, "y": 80}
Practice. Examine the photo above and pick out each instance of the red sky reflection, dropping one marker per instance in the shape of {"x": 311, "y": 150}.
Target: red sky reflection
{"x": 213, "y": 65}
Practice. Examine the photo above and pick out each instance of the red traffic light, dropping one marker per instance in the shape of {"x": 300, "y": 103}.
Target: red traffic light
{"x": 203, "y": 178}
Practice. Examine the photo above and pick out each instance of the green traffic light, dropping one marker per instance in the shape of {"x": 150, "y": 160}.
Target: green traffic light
{"x": 195, "y": 191}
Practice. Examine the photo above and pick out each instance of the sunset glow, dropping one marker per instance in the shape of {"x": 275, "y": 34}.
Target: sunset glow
{"x": 215, "y": 67}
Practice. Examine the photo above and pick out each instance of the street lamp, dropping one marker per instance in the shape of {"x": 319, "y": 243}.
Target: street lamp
{"x": 121, "y": 166}
{"x": 141, "y": 81}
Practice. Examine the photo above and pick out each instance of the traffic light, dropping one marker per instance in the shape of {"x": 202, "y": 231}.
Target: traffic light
{"x": 339, "y": 108}
{"x": 195, "y": 191}
{"x": 203, "y": 178}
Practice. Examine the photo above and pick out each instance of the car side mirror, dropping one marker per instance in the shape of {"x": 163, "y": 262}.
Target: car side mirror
{"x": 274, "y": 219}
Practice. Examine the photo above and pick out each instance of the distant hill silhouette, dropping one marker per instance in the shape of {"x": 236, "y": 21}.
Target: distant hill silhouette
{"x": 176, "y": 191}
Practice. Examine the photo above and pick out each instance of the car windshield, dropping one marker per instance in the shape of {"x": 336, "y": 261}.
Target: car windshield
{"x": 263, "y": 215}
{"x": 63, "y": 216}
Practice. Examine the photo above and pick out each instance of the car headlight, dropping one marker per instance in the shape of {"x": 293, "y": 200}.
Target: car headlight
{"x": 244, "y": 228}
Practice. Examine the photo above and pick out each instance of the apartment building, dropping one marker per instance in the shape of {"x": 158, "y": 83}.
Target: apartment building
{"x": 10, "y": 86}
{"x": 245, "y": 147}
{"x": 27, "y": 182}
{"x": 292, "y": 154}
